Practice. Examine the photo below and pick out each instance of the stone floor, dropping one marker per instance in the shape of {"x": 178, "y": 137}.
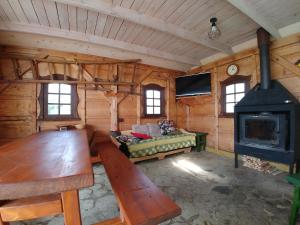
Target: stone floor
{"x": 207, "y": 188}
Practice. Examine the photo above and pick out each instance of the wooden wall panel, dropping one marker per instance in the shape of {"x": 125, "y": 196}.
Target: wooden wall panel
{"x": 203, "y": 117}
{"x": 17, "y": 111}
{"x": 19, "y": 108}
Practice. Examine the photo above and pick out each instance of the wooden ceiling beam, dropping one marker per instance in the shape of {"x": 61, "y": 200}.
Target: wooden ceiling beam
{"x": 49, "y": 60}
{"x": 246, "y": 7}
{"x": 81, "y": 37}
{"x": 147, "y": 21}
{"x": 28, "y": 81}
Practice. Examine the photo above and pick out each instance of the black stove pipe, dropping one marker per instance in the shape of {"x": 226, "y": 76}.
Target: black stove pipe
{"x": 263, "y": 40}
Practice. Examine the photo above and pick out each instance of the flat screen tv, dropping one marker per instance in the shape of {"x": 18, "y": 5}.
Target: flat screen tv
{"x": 191, "y": 85}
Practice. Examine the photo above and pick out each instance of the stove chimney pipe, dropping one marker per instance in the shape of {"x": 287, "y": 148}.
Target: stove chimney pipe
{"x": 263, "y": 40}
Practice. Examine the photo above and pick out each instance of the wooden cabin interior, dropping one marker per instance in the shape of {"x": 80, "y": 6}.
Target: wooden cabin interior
{"x": 140, "y": 112}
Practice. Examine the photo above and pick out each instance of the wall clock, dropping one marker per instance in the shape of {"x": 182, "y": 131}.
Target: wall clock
{"x": 232, "y": 69}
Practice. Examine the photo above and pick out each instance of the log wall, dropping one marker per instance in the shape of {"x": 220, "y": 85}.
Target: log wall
{"x": 19, "y": 108}
{"x": 203, "y": 112}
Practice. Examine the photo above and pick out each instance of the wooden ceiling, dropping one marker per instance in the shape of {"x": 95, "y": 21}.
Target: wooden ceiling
{"x": 167, "y": 33}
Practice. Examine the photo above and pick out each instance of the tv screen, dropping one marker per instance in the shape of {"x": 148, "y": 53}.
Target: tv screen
{"x": 191, "y": 85}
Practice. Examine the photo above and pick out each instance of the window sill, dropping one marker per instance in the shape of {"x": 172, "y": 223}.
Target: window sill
{"x": 60, "y": 119}
{"x": 230, "y": 116}
{"x": 154, "y": 117}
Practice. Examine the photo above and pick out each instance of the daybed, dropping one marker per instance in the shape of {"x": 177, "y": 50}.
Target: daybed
{"x": 158, "y": 146}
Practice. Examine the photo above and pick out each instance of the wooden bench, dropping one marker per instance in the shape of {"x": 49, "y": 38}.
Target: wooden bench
{"x": 30, "y": 208}
{"x": 140, "y": 201}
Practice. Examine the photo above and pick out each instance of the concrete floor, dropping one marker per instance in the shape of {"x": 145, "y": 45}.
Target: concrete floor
{"x": 207, "y": 188}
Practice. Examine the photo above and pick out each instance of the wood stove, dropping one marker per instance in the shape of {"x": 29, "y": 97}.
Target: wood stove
{"x": 267, "y": 119}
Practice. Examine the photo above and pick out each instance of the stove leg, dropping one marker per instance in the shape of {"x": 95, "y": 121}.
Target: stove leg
{"x": 291, "y": 169}
{"x": 236, "y": 162}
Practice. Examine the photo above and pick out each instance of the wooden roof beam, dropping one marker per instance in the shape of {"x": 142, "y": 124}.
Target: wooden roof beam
{"x": 78, "y": 36}
{"x": 147, "y": 21}
{"x": 49, "y": 60}
{"x": 246, "y": 7}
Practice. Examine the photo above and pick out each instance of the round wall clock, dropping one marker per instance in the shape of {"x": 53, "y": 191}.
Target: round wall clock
{"x": 232, "y": 69}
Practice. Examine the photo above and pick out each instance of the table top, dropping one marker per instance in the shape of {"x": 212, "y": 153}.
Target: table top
{"x": 45, "y": 163}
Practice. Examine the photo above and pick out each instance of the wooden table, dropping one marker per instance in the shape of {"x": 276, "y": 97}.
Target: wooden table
{"x": 46, "y": 163}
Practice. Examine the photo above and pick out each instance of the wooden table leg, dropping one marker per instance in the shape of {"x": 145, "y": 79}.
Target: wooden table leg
{"x": 3, "y": 223}
{"x": 71, "y": 207}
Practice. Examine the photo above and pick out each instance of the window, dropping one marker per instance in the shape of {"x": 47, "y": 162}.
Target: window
{"x": 233, "y": 90}
{"x": 58, "y": 101}
{"x": 153, "y": 101}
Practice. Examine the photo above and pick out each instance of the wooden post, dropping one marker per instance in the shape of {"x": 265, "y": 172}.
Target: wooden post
{"x": 138, "y": 105}
{"x": 216, "y": 97}
{"x": 114, "y": 125}
{"x": 71, "y": 208}
{"x": 16, "y": 68}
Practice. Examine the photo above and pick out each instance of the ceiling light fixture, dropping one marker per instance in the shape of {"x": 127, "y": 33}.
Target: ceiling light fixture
{"x": 214, "y": 32}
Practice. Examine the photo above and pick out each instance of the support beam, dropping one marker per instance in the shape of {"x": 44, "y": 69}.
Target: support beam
{"x": 28, "y": 81}
{"x": 246, "y": 7}
{"x": 147, "y": 21}
{"x": 61, "y": 44}
{"x": 81, "y": 37}
{"x": 48, "y": 60}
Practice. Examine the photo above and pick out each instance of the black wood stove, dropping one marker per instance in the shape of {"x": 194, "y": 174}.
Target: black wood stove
{"x": 267, "y": 119}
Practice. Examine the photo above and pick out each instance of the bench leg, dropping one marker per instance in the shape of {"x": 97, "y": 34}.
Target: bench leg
{"x": 71, "y": 208}
{"x": 295, "y": 206}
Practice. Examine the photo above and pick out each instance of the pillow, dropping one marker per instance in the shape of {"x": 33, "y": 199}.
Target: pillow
{"x": 154, "y": 130}
{"x": 167, "y": 126}
{"x": 142, "y": 136}
{"x": 142, "y": 129}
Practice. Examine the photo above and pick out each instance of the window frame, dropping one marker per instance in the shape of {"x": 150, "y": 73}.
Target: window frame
{"x": 154, "y": 87}
{"x": 229, "y": 81}
{"x": 43, "y": 100}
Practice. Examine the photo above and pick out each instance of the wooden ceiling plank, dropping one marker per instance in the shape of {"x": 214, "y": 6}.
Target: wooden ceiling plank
{"x": 154, "y": 7}
{"x": 146, "y": 20}
{"x": 9, "y": 11}
{"x": 168, "y": 8}
{"x": 29, "y": 11}
{"x": 77, "y": 36}
{"x": 115, "y": 28}
{"x": 18, "y": 10}
{"x": 127, "y": 3}
{"x": 122, "y": 30}
{"x": 63, "y": 16}
{"x": 108, "y": 25}
{"x": 40, "y": 11}
{"x": 188, "y": 4}
{"x": 91, "y": 22}
{"x": 246, "y": 7}
{"x": 190, "y": 11}
{"x": 137, "y": 30}
{"x": 3, "y": 15}
{"x": 147, "y": 38}
{"x": 81, "y": 20}
{"x": 52, "y": 13}
{"x": 72, "y": 12}
{"x": 203, "y": 14}
{"x": 137, "y": 4}
{"x": 140, "y": 38}
{"x": 101, "y": 21}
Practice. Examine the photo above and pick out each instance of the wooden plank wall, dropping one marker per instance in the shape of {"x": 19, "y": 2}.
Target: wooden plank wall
{"x": 203, "y": 111}
{"x": 19, "y": 108}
